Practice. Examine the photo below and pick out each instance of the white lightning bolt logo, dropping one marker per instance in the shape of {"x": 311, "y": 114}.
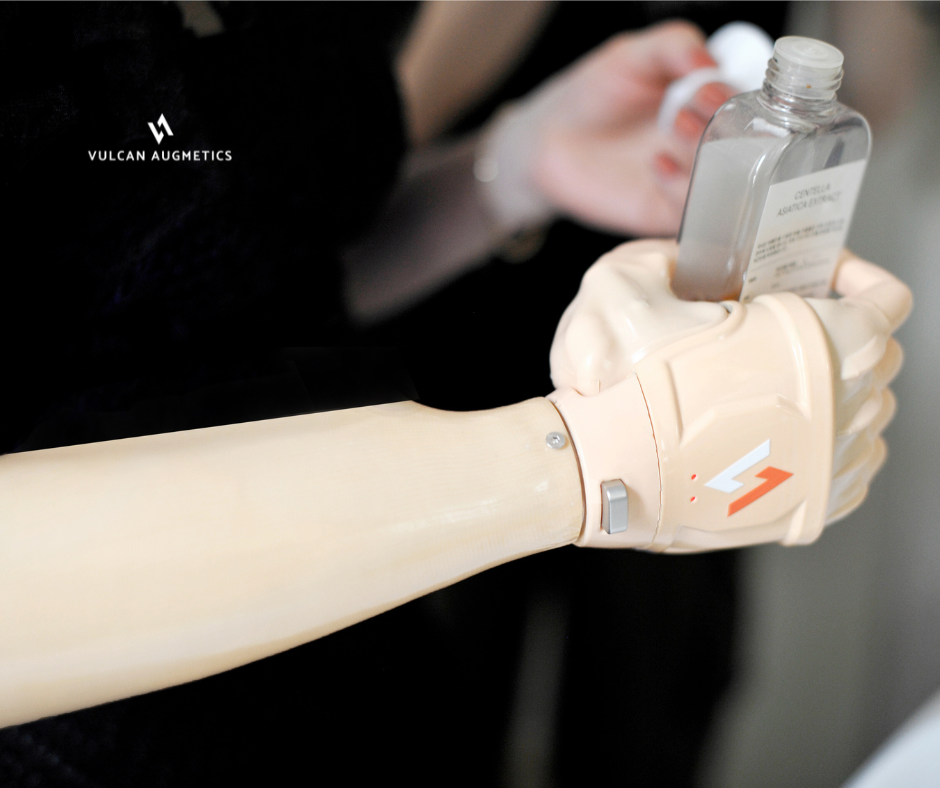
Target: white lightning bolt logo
{"x": 725, "y": 480}
{"x": 158, "y": 135}
{"x": 726, "y": 483}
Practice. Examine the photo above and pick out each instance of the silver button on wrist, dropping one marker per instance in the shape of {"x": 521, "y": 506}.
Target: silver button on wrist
{"x": 614, "y": 506}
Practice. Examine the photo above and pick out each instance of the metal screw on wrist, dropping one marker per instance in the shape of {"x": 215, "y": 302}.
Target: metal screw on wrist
{"x": 556, "y": 440}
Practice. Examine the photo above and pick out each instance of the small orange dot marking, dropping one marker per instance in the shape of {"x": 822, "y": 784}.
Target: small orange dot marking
{"x": 694, "y": 499}
{"x": 694, "y": 476}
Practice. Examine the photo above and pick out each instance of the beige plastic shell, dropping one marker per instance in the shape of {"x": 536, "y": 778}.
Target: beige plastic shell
{"x": 613, "y": 438}
{"x": 695, "y": 408}
{"x": 764, "y": 374}
{"x": 757, "y": 412}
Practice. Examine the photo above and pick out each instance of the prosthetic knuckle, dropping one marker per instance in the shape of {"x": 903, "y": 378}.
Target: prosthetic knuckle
{"x": 742, "y": 417}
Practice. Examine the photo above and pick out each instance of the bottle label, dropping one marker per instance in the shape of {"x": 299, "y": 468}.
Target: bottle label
{"x": 801, "y": 232}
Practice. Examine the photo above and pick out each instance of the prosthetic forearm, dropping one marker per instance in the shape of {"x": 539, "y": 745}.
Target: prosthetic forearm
{"x": 133, "y": 565}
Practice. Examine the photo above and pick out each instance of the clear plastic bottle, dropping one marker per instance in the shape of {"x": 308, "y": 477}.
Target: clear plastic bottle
{"x": 775, "y": 181}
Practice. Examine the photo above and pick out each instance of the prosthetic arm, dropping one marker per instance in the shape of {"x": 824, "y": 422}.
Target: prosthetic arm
{"x": 137, "y": 564}
{"x": 132, "y": 565}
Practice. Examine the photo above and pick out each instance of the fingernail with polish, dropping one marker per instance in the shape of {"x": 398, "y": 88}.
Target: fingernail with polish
{"x": 666, "y": 166}
{"x": 714, "y": 94}
{"x": 688, "y": 125}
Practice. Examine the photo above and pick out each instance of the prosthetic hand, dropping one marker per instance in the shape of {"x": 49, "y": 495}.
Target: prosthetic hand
{"x": 703, "y": 425}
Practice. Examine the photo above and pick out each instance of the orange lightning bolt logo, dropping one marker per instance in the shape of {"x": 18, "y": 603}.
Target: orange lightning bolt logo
{"x": 774, "y": 476}
{"x": 725, "y": 481}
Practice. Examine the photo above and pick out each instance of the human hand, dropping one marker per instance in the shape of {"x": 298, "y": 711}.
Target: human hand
{"x": 586, "y": 142}
{"x": 788, "y": 394}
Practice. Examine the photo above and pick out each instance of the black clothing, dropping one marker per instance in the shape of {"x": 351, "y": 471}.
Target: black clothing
{"x": 127, "y": 274}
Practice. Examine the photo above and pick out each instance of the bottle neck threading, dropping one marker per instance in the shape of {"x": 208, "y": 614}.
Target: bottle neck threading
{"x": 800, "y": 90}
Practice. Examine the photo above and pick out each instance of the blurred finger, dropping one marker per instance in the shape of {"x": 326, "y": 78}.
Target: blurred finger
{"x": 673, "y": 183}
{"x": 690, "y": 103}
{"x": 709, "y": 98}
{"x": 664, "y": 52}
{"x": 676, "y": 155}
{"x": 689, "y": 124}
{"x": 668, "y": 167}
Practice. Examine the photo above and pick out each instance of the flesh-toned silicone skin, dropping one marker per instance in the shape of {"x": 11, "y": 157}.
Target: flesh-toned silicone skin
{"x": 132, "y": 565}
{"x": 798, "y": 384}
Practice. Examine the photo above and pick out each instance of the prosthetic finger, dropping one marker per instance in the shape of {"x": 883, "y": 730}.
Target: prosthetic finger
{"x": 888, "y": 368}
{"x": 851, "y": 455}
{"x": 862, "y": 282}
{"x": 878, "y": 459}
{"x": 850, "y": 493}
{"x": 857, "y": 334}
{"x": 858, "y": 328}
{"x": 853, "y": 465}
{"x": 874, "y": 304}
{"x": 889, "y": 406}
{"x": 877, "y": 405}
{"x": 854, "y": 401}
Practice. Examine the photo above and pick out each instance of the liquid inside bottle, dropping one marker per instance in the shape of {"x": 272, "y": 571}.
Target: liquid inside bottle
{"x": 774, "y": 184}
